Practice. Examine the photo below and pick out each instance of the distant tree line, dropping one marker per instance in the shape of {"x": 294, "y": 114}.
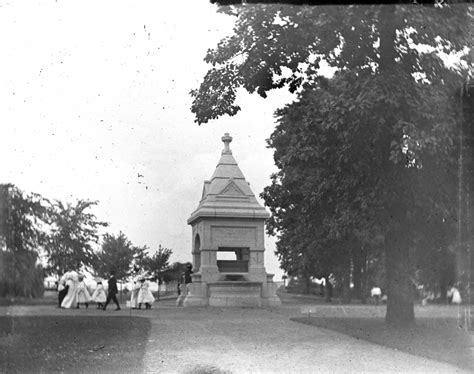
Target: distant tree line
{"x": 21, "y": 219}
{"x": 39, "y": 237}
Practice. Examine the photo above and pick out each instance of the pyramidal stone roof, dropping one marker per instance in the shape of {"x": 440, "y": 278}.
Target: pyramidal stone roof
{"x": 228, "y": 194}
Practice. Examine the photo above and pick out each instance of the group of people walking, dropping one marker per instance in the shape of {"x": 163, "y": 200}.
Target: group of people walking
{"x": 72, "y": 292}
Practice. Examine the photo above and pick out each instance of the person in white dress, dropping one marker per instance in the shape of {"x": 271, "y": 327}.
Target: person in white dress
{"x": 134, "y": 294}
{"x": 454, "y": 295}
{"x": 99, "y": 295}
{"x": 83, "y": 296}
{"x": 144, "y": 295}
{"x": 70, "y": 300}
{"x": 376, "y": 294}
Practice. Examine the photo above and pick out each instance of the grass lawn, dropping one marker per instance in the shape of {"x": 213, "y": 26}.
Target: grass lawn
{"x": 44, "y": 344}
{"x": 49, "y": 299}
{"x": 439, "y": 339}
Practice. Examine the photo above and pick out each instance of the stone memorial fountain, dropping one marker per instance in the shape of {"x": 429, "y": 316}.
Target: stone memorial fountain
{"x": 228, "y": 242}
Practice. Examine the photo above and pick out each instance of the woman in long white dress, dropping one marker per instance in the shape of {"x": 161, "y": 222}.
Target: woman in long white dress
{"x": 134, "y": 294}
{"x": 456, "y": 295}
{"x": 83, "y": 296}
{"x": 99, "y": 295}
{"x": 70, "y": 300}
{"x": 144, "y": 295}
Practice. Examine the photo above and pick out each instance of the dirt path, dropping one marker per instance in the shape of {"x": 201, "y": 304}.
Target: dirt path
{"x": 217, "y": 340}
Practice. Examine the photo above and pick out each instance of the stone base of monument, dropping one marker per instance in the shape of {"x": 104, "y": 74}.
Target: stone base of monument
{"x": 197, "y": 295}
{"x": 232, "y": 293}
{"x": 269, "y": 296}
{"x": 235, "y": 293}
{"x": 195, "y": 301}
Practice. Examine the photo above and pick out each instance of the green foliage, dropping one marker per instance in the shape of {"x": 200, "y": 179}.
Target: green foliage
{"x": 370, "y": 153}
{"x": 74, "y": 231}
{"x": 117, "y": 254}
{"x": 157, "y": 262}
{"x": 20, "y": 274}
{"x": 276, "y": 46}
{"x": 23, "y": 217}
{"x": 174, "y": 272}
{"x": 335, "y": 183}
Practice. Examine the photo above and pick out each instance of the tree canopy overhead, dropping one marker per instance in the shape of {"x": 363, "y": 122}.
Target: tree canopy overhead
{"x": 370, "y": 153}
{"x": 274, "y": 46}
{"x": 341, "y": 182}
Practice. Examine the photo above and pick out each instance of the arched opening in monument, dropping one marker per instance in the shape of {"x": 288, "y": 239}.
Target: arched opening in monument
{"x": 197, "y": 253}
{"x": 233, "y": 260}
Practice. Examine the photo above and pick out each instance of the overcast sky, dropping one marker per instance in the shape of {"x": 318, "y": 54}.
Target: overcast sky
{"x": 94, "y": 93}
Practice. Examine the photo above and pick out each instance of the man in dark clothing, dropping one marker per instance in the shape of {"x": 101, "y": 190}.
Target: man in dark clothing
{"x": 62, "y": 292}
{"x": 112, "y": 293}
{"x": 183, "y": 287}
{"x": 187, "y": 274}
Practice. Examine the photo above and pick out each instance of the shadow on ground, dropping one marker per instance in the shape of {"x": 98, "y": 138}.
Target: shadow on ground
{"x": 72, "y": 344}
{"x": 440, "y": 339}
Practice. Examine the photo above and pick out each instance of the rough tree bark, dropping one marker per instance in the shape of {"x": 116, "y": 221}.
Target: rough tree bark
{"x": 400, "y": 308}
{"x": 327, "y": 290}
{"x": 358, "y": 263}
{"x": 346, "y": 278}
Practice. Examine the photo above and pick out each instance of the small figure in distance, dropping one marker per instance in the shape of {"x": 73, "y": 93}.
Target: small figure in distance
{"x": 112, "y": 292}
{"x": 62, "y": 289}
{"x": 134, "y": 294}
{"x": 454, "y": 295}
{"x": 99, "y": 295}
{"x": 70, "y": 300}
{"x": 83, "y": 296}
{"x": 376, "y": 294}
{"x": 184, "y": 286}
{"x": 187, "y": 273}
{"x": 135, "y": 287}
{"x": 145, "y": 296}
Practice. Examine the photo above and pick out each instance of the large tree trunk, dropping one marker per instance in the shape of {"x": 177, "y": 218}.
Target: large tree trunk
{"x": 346, "y": 280}
{"x": 446, "y": 276}
{"x": 307, "y": 284}
{"x": 327, "y": 290}
{"x": 357, "y": 279}
{"x": 400, "y": 308}
{"x": 358, "y": 262}
{"x": 466, "y": 185}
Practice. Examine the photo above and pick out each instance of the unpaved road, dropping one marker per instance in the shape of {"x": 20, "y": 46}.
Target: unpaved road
{"x": 215, "y": 340}
{"x": 219, "y": 340}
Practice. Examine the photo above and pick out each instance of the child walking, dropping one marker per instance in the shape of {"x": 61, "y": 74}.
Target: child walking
{"x": 83, "y": 296}
{"x": 99, "y": 295}
{"x": 144, "y": 295}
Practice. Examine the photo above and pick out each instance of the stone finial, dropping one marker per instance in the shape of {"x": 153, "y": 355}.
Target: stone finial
{"x": 226, "y": 139}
